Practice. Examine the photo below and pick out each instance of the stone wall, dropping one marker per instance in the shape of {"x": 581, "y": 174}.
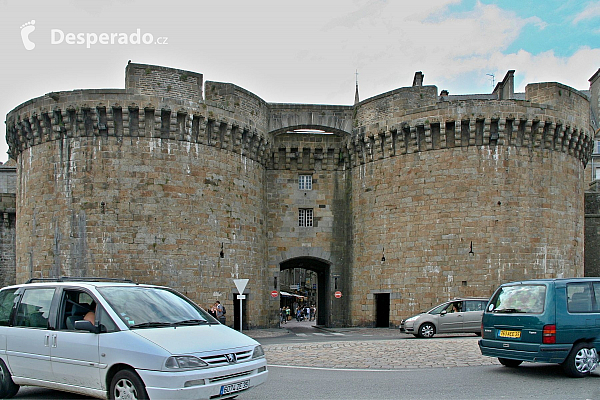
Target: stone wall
{"x": 153, "y": 80}
{"x": 592, "y": 230}
{"x": 8, "y": 181}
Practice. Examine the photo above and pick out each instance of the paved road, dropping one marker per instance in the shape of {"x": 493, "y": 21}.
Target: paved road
{"x": 367, "y": 363}
{"x": 364, "y": 348}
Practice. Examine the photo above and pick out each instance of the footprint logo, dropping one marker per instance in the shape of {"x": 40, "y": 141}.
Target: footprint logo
{"x": 26, "y": 29}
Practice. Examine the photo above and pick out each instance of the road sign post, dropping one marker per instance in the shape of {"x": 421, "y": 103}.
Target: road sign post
{"x": 240, "y": 284}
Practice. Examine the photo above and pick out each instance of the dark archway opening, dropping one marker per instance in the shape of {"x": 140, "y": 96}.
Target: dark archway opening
{"x": 302, "y": 287}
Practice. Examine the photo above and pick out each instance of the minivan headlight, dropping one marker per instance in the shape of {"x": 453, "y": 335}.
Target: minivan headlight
{"x": 184, "y": 362}
{"x": 258, "y": 352}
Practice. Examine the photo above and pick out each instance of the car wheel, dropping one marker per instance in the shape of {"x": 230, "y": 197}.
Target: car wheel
{"x": 7, "y": 387}
{"x": 582, "y": 360}
{"x": 427, "y": 330}
{"x": 507, "y": 362}
{"x": 126, "y": 384}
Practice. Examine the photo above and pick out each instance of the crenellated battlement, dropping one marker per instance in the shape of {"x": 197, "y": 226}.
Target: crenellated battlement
{"x": 94, "y": 113}
{"x": 442, "y": 127}
{"x": 166, "y": 103}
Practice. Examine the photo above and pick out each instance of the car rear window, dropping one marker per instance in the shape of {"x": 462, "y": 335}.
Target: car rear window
{"x": 519, "y": 299}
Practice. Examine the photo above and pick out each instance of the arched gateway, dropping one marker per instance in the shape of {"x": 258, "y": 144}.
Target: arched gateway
{"x": 412, "y": 199}
{"x": 322, "y": 286}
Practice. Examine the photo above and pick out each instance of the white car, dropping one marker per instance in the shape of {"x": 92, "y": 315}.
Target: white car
{"x": 144, "y": 342}
{"x": 453, "y": 316}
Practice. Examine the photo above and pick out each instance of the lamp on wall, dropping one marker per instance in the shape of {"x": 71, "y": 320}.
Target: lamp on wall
{"x": 383, "y": 255}
{"x": 471, "y": 250}
{"x": 222, "y": 253}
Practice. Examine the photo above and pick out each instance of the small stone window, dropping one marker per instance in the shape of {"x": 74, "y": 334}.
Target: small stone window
{"x": 305, "y": 182}
{"x": 305, "y": 217}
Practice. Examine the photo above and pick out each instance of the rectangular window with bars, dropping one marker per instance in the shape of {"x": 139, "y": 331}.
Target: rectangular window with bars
{"x": 305, "y": 217}
{"x": 305, "y": 182}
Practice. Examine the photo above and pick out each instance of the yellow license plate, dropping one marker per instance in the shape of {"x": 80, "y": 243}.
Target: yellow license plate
{"x": 510, "y": 334}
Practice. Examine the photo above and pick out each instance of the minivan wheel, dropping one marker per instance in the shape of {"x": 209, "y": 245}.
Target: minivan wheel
{"x": 427, "y": 330}
{"x": 582, "y": 360}
{"x": 127, "y": 385}
{"x": 507, "y": 362}
{"x": 7, "y": 387}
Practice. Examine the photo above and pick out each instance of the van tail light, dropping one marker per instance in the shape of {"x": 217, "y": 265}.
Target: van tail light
{"x": 549, "y": 334}
{"x": 482, "y": 329}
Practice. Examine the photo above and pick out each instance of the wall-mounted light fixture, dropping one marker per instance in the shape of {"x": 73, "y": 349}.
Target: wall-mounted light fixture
{"x": 471, "y": 250}
{"x": 383, "y": 255}
{"x": 222, "y": 253}
{"x": 275, "y": 282}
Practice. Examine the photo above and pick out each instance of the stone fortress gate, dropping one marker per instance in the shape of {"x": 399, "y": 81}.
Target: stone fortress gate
{"x": 412, "y": 197}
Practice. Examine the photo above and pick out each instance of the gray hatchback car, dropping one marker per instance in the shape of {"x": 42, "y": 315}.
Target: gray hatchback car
{"x": 453, "y": 316}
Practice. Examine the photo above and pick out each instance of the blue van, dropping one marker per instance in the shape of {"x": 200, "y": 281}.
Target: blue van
{"x": 546, "y": 320}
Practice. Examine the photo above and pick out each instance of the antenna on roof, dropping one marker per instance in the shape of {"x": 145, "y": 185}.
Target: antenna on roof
{"x": 493, "y": 81}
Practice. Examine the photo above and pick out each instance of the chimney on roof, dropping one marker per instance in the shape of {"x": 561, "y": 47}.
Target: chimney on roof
{"x": 418, "y": 79}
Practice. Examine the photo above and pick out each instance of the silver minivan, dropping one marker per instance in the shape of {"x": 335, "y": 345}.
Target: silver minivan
{"x": 120, "y": 340}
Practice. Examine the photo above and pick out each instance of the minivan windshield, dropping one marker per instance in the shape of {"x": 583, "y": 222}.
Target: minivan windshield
{"x": 519, "y": 299}
{"x": 153, "y": 307}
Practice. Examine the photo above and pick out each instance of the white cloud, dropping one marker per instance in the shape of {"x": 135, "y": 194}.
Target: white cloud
{"x": 573, "y": 71}
{"x": 592, "y": 10}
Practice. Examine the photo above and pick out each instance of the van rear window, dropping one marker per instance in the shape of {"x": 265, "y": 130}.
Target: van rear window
{"x": 528, "y": 299}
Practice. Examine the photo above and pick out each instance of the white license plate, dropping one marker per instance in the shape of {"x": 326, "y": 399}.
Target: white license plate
{"x": 235, "y": 387}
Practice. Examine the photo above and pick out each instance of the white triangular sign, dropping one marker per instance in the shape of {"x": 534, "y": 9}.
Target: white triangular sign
{"x": 240, "y": 284}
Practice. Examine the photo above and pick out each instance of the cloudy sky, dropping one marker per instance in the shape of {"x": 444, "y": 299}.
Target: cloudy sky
{"x": 299, "y": 51}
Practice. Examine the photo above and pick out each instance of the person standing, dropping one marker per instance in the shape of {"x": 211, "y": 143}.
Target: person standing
{"x": 220, "y": 312}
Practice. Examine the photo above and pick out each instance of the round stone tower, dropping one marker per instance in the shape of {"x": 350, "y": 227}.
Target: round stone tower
{"x": 453, "y": 195}
{"x": 150, "y": 183}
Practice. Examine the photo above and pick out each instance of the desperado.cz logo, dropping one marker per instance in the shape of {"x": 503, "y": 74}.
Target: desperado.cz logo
{"x": 89, "y": 39}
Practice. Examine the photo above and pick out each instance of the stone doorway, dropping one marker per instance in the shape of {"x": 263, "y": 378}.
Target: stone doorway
{"x": 306, "y": 281}
{"x": 382, "y": 310}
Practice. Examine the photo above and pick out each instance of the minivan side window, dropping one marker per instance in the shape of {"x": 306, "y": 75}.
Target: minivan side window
{"x": 34, "y": 309}
{"x": 76, "y": 304}
{"x": 596, "y": 287}
{"x": 7, "y": 299}
{"x": 579, "y": 297}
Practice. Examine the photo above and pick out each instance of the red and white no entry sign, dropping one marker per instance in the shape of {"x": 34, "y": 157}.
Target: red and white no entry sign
{"x": 274, "y": 293}
{"x": 338, "y": 294}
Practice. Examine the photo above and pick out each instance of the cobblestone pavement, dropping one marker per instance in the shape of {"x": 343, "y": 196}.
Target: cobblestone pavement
{"x": 401, "y": 351}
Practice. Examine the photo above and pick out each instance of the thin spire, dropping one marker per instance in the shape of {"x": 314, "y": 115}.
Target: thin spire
{"x": 356, "y": 99}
